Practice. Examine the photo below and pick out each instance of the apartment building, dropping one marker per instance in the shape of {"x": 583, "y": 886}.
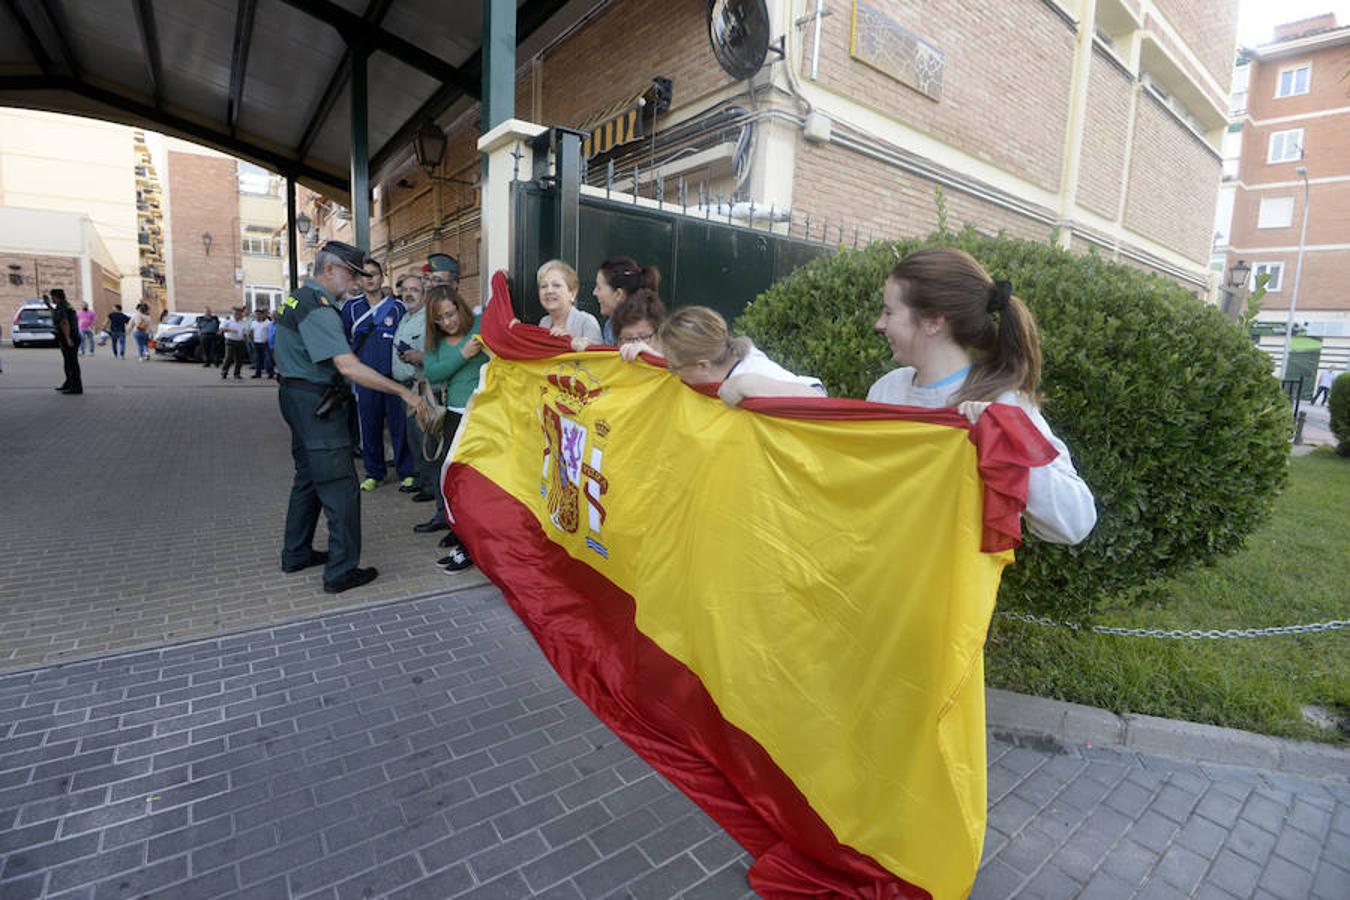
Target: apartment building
{"x": 1291, "y": 188}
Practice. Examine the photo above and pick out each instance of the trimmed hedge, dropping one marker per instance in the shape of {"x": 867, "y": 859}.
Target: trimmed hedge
{"x": 1171, "y": 414}
{"x": 1339, "y": 404}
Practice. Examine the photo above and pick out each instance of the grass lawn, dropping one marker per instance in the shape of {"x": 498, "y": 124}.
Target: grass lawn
{"x": 1294, "y": 570}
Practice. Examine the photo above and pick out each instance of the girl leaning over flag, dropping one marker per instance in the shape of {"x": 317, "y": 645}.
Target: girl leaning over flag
{"x": 699, "y": 349}
{"x": 962, "y": 339}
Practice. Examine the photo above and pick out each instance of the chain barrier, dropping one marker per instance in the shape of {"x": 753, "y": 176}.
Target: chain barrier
{"x": 1179, "y": 634}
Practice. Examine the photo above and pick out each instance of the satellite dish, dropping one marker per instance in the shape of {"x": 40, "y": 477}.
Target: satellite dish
{"x": 739, "y": 33}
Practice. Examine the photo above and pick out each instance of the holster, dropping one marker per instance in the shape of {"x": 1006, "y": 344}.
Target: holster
{"x": 336, "y": 395}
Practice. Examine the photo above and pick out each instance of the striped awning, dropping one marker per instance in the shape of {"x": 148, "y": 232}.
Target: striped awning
{"x": 625, "y": 121}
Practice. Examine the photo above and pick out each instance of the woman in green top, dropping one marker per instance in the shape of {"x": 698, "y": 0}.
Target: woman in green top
{"x": 453, "y": 356}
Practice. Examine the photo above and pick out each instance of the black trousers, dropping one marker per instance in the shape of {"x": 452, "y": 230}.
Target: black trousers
{"x": 236, "y": 354}
{"x": 325, "y": 478}
{"x": 211, "y": 349}
{"x": 1322, "y": 393}
{"x": 71, "y": 357}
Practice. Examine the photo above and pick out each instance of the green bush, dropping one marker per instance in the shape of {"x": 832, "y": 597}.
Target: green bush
{"x": 1339, "y": 404}
{"x": 1171, "y": 414}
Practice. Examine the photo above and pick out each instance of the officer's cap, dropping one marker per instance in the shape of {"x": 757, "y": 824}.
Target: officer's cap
{"x": 443, "y": 262}
{"x": 353, "y": 258}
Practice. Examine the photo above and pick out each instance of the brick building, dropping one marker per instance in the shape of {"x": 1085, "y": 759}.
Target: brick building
{"x": 43, "y": 249}
{"x": 224, "y": 227}
{"x": 1099, "y": 121}
{"x": 1291, "y": 111}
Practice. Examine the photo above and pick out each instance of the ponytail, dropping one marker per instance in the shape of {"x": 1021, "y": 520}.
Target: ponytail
{"x": 623, "y": 273}
{"x": 996, "y": 328}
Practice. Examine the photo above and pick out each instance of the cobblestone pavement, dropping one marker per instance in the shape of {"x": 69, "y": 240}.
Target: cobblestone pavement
{"x": 425, "y": 749}
{"x": 150, "y": 509}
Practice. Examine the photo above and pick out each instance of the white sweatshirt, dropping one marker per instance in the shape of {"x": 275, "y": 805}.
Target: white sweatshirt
{"x": 1060, "y": 508}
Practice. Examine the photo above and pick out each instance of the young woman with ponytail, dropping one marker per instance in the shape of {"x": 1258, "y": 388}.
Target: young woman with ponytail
{"x": 962, "y": 339}
{"x": 617, "y": 279}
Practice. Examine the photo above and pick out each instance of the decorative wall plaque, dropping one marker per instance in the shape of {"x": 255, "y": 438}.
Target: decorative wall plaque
{"x": 891, "y": 48}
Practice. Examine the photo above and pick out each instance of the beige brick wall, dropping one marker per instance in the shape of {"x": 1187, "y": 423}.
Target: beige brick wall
{"x": 1005, "y": 95}
{"x": 619, "y": 53}
{"x": 40, "y": 273}
{"x": 1209, "y": 27}
{"x": 838, "y": 185}
{"x": 203, "y": 197}
{"x": 1105, "y": 129}
{"x": 1174, "y": 181}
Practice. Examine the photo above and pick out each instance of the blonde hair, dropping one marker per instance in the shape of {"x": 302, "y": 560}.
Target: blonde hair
{"x": 569, "y": 274}
{"x": 443, "y": 293}
{"x": 693, "y": 333}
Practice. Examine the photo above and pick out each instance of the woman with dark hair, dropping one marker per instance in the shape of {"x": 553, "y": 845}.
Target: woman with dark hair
{"x": 637, "y": 322}
{"x": 617, "y": 279}
{"x": 452, "y": 360}
{"x": 962, "y": 339}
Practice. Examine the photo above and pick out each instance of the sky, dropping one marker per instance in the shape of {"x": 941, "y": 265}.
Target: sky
{"x": 1257, "y": 18}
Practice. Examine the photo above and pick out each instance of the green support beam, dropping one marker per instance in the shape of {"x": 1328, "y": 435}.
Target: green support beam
{"x": 499, "y": 63}
{"x": 360, "y": 149}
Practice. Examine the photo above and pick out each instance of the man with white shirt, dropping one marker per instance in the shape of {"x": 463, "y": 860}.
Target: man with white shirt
{"x": 262, "y": 356}
{"x": 232, "y": 329}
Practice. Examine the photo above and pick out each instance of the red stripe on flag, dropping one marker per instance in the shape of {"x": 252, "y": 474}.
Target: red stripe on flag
{"x": 586, "y": 627}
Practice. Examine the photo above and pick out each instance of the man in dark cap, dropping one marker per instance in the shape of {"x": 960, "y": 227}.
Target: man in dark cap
{"x": 67, "y": 338}
{"x": 313, "y": 357}
{"x": 442, "y": 268}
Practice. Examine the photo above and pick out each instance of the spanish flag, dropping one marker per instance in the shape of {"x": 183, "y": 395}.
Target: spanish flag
{"x": 782, "y": 608}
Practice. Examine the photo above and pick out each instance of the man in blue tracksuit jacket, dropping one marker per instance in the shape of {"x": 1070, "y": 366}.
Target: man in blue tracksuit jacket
{"x": 370, "y": 321}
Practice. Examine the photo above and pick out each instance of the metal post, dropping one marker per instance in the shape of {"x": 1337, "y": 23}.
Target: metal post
{"x": 499, "y": 62}
{"x": 292, "y": 239}
{"x": 567, "y": 174}
{"x": 1298, "y": 271}
{"x": 360, "y": 181}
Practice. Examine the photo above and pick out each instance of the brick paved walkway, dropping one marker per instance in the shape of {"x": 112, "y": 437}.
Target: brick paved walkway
{"x": 426, "y": 750}
{"x": 151, "y": 509}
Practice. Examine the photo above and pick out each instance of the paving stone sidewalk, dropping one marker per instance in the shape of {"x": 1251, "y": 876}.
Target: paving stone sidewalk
{"x": 151, "y": 508}
{"x": 426, "y": 750}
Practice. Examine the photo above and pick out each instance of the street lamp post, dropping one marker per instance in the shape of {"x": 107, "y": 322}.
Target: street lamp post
{"x": 1301, "y": 171}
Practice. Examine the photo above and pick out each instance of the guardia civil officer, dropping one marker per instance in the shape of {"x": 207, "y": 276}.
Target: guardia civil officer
{"x": 313, "y": 357}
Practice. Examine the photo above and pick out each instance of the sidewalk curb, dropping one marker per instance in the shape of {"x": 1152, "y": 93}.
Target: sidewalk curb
{"x": 1073, "y": 723}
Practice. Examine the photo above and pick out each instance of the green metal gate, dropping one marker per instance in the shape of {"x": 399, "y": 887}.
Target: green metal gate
{"x": 703, "y": 260}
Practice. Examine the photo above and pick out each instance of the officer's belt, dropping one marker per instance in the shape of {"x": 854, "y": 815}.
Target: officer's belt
{"x": 306, "y": 384}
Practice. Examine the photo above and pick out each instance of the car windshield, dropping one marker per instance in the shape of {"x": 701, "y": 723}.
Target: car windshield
{"x": 173, "y": 320}
{"x": 32, "y": 317}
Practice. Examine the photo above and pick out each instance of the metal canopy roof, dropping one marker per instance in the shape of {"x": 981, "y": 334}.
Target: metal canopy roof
{"x": 265, "y": 80}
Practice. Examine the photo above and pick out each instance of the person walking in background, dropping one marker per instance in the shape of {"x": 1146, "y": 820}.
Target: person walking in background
{"x": 67, "y": 339}
{"x": 85, "y": 317}
{"x": 208, "y": 327}
{"x": 1324, "y": 381}
{"x": 140, "y": 331}
{"x": 262, "y": 357}
{"x": 117, "y": 331}
{"x": 233, "y": 331}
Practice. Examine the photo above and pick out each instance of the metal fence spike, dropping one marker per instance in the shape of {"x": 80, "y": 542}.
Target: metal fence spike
{"x": 825, "y": 230}
{"x": 684, "y": 197}
{"x": 635, "y": 184}
{"x": 808, "y": 226}
{"x": 752, "y": 214}
{"x": 609, "y": 178}
{"x": 855, "y": 237}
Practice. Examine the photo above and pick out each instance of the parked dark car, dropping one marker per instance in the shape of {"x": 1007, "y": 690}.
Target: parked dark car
{"x": 183, "y": 343}
{"x": 33, "y": 325}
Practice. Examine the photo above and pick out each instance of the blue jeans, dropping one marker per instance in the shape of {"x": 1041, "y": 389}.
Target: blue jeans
{"x": 87, "y": 337}
{"x": 262, "y": 359}
{"x": 118, "y": 339}
{"x": 142, "y": 344}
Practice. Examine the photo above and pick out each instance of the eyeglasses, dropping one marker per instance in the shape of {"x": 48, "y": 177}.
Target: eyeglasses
{"x": 637, "y": 338}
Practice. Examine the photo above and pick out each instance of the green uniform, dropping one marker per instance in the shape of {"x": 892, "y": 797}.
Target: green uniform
{"x": 309, "y": 335}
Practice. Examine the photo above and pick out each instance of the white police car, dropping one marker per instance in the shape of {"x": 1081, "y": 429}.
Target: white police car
{"x": 33, "y": 325}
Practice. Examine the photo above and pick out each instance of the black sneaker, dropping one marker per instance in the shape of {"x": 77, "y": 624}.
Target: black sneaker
{"x": 316, "y": 558}
{"x": 352, "y": 578}
{"x": 458, "y": 561}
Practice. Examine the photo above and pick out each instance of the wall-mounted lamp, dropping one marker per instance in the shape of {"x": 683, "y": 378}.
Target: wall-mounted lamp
{"x": 1237, "y": 275}
{"x": 429, "y": 148}
{"x": 206, "y": 241}
{"x": 303, "y": 223}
